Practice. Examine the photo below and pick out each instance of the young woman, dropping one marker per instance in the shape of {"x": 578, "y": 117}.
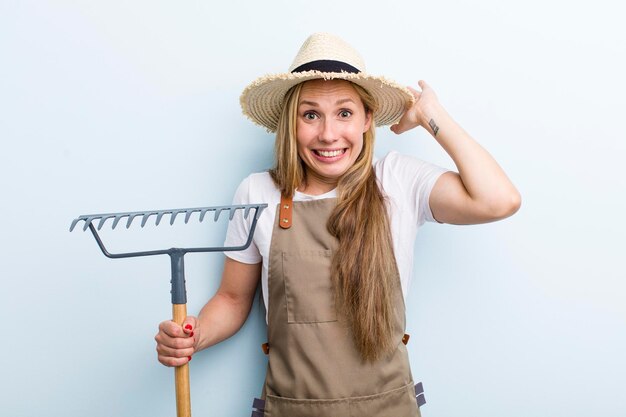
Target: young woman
{"x": 335, "y": 250}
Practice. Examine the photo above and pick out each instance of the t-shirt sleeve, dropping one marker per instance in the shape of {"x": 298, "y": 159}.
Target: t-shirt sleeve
{"x": 239, "y": 228}
{"x": 430, "y": 173}
{"x": 414, "y": 180}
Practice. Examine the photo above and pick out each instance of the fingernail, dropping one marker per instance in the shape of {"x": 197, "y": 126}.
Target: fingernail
{"x": 189, "y": 357}
{"x": 191, "y": 334}
{"x": 188, "y": 326}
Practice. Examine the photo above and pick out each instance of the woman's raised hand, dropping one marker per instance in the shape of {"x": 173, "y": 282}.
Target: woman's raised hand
{"x": 175, "y": 343}
{"x": 420, "y": 113}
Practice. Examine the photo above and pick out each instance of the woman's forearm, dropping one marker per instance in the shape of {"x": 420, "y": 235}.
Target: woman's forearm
{"x": 228, "y": 309}
{"x": 221, "y": 318}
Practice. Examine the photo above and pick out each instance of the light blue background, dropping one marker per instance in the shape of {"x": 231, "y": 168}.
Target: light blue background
{"x": 132, "y": 105}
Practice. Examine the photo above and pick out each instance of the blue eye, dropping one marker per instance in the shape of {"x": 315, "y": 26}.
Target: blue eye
{"x": 310, "y": 116}
{"x": 345, "y": 113}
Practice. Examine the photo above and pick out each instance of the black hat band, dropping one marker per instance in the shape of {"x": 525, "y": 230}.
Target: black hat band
{"x": 326, "y": 65}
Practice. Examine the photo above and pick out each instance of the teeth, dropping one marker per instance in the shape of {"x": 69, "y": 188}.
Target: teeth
{"x": 330, "y": 154}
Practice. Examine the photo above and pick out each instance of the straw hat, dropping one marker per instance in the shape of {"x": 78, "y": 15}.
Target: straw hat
{"x": 322, "y": 56}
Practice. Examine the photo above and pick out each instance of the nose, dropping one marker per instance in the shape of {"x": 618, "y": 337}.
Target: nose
{"x": 328, "y": 132}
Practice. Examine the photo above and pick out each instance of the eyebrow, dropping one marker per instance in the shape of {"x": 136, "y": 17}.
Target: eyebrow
{"x": 337, "y": 103}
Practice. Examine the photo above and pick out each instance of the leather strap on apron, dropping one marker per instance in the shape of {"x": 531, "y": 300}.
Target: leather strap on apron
{"x": 314, "y": 368}
{"x": 284, "y": 212}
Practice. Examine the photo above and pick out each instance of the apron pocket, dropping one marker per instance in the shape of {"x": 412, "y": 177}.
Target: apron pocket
{"x": 290, "y": 407}
{"x": 399, "y": 402}
{"x": 309, "y": 292}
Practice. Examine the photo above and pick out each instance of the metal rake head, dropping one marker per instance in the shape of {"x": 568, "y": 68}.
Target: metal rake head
{"x": 145, "y": 215}
{"x": 89, "y": 220}
{"x": 179, "y": 294}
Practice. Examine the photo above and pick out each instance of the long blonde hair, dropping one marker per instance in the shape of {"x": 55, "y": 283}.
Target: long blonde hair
{"x": 363, "y": 270}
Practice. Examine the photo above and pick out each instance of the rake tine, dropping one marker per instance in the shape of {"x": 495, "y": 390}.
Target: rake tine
{"x": 102, "y": 220}
{"x": 160, "y": 216}
{"x": 217, "y": 214}
{"x": 246, "y": 212}
{"x": 88, "y": 221}
{"x": 74, "y": 223}
{"x": 203, "y": 212}
{"x": 232, "y": 212}
{"x": 174, "y": 214}
{"x": 188, "y": 215}
{"x": 145, "y": 218}
{"x": 131, "y": 217}
{"x": 117, "y": 220}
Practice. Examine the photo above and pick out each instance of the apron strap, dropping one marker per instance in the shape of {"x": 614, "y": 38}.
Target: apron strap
{"x": 285, "y": 211}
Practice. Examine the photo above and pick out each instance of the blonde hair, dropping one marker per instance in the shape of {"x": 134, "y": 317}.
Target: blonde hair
{"x": 363, "y": 269}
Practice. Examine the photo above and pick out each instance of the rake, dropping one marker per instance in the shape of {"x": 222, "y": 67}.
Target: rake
{"x": 179, "y": 292}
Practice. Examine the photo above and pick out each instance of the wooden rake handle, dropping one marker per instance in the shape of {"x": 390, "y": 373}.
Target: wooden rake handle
{"x": 183, "y": 398}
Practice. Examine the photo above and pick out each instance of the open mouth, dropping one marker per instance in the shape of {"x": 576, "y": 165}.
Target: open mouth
{"x": 329, "y": 153}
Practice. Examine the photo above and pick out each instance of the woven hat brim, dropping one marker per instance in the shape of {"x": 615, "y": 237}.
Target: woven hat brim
{"x": 262, "y": 100}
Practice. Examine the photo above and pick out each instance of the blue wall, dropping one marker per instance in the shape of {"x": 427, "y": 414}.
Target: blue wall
{"x": 117, "y": 105}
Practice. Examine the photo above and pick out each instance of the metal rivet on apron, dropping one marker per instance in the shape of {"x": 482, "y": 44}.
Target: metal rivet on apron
{"x": 286, "y": 206}
{"x": 285, "y": 220}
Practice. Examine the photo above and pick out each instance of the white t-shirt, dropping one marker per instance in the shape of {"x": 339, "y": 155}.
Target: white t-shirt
{"x": 406, "y": 182}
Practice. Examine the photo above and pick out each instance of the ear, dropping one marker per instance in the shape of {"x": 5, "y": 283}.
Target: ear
{"x": 368, "y": 121}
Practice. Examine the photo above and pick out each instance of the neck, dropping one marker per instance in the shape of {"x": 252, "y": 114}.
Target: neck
{"x": 316, "y": 185}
